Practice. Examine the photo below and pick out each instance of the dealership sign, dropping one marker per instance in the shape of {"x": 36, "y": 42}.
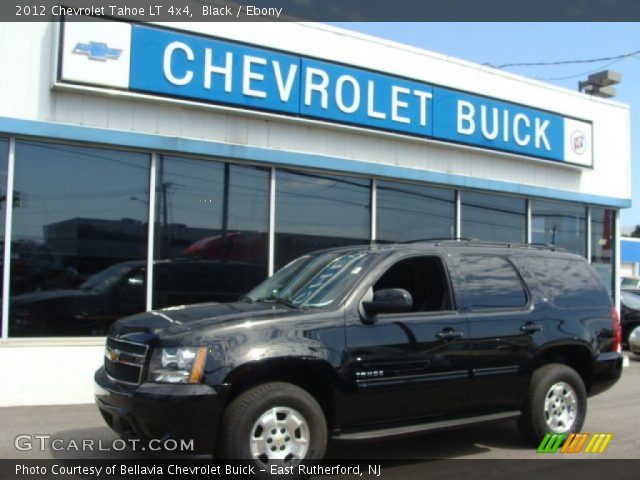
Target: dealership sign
{"x": 151, "y": 60}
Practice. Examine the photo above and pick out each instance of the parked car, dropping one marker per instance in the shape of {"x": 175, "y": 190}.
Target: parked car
{"x": 369, "y": 342}
{"x": 629, "y": 282}
{"x": 36, "y": 266}
{"x": 634, "y": 340}
{"x": 120, "y": 290}
{"x": 629, "y": 315}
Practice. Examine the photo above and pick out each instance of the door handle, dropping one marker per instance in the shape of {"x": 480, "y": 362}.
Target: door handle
{"x": 531, "y": 327}
{"x": 449, "y": 334}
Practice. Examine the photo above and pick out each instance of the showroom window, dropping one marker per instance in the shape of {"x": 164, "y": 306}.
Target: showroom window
{"x": 4, "y": 153}
{"x": 411, "y": 212}
{"x": 561, "y": 224}
{"x": 602, "y": 244}
{"x": 78, "y": 244}
{"x": 211, "y": 230}
{"x": 316, "y": 211}
{"x": 490, "y": 217}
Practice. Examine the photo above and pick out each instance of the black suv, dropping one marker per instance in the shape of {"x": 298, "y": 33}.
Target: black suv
{"x": 368, "y": 342}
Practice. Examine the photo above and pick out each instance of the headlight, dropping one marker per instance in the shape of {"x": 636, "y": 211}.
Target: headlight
{"x": 177, "y": 365}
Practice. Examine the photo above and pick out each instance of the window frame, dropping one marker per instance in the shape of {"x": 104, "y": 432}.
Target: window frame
{"x": 395, "y": 259}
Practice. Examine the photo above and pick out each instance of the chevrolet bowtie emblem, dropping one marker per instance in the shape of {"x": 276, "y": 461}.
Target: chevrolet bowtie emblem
{"x": 97, "y": 51}
{"x": 112, "y": 354}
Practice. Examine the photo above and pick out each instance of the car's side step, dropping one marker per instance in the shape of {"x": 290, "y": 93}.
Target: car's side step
{"x": 422, "y": 427}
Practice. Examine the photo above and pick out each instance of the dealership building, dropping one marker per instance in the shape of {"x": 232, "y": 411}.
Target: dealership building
{"x": 151, "y": 165}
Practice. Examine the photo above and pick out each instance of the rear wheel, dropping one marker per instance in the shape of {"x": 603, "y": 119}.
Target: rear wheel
{"x": 274, "y": 423}
{"x": 556, "y": 403}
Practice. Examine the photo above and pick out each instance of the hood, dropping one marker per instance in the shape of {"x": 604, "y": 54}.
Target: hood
{"x": 47, "y": 295}
{"x": 181, "y": 320}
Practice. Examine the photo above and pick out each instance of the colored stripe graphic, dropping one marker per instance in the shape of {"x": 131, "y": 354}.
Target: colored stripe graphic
{"x": 598, "y": 443}
{"x": 550, "y": 443}
{"x": 574, "y": 443}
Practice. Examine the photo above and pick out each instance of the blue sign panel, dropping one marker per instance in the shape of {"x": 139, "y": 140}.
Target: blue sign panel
{"x": 201, "y": 68}
{"x": 208, "y": 70}
{"x": 499, "y": 125}
{"x": 360, "y": 97}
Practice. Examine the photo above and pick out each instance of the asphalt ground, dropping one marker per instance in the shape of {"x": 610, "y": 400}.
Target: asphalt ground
{"x": 615, "y": 411}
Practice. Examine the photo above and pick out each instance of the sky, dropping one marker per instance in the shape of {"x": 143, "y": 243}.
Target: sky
{"x": 500, "y": 43}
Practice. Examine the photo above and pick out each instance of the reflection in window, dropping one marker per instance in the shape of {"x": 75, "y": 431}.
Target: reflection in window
{"x": 319, "y": 211}
{"x": 489, "y": 217}
{"x": 411, "y": 212}
{"x": 602, "y": 228}
{"x": 82, "y": 213}
{"x": 314, "y": 281}
{"x": 4, "y": 151}
{"x": 491, "y": 282}
{"x": 211, "y": 231}
{"x": 561, "y": 224}
{"x": 567, "y": 283}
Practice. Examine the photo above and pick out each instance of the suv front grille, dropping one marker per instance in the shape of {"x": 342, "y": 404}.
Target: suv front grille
{"x": 124, "y": 361}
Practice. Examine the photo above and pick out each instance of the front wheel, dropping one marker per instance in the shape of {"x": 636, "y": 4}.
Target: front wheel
{"x": 273, "y": 423}
{"x": 556, "y": 403}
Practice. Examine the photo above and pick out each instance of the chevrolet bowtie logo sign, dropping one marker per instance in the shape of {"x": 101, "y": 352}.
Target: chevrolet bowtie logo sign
{"x": 97, "y": 51}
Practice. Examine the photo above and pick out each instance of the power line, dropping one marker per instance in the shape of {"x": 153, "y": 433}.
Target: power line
{"x": 564, "y": 62}
{"x": 582, "y": 74}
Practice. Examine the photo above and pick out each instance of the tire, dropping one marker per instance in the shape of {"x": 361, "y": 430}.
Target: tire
{"x": 296, "y": 412}
{"x": 627, "y": 329}
{"x": 549, "y": 404}
{"x": 635, "y": 348}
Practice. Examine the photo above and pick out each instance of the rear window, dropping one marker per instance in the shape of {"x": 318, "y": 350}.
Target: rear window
{"x": 568, "y": 283}
{"x": 491, "y": 283}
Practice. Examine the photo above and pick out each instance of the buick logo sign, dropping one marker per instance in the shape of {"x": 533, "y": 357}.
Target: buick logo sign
{"x": 579, "y": 142}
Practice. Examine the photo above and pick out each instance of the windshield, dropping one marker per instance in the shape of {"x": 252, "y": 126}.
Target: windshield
{"x": 107, "y": 278}
{"x": 630, "y": 300}
{"x": 314, "y": 281}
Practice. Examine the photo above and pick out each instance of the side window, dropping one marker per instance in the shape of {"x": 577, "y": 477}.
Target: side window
{"x": 491, "y": 283}
{"x": 424, "y": 278}
{"x": 568, "y": 283}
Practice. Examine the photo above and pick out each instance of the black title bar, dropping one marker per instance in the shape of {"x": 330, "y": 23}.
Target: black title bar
{"x": 325, "y": 10}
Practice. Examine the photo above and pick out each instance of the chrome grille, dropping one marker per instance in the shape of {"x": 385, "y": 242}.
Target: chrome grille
{"x": 124, "y": 361}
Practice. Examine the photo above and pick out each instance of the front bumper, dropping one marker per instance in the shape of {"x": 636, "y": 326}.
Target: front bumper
{"x": 607, "y": 370}
{"x": 159, "y": 411}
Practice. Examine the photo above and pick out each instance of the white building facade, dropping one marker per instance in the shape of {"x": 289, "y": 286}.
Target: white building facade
{"x": 145, "y": 166}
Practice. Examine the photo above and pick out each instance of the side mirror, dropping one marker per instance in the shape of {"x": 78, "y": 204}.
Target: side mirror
{"x": 389, "y": 300}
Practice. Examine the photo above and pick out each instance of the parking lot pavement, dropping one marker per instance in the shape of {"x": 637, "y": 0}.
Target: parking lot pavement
{"x": 615, "y": 411}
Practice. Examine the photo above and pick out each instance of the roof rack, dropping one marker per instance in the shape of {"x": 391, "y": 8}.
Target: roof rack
{"x": 476, "y": 241}
{"x": 440, "y": 239}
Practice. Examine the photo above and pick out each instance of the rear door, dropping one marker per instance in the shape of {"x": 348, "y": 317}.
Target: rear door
{"x": 506, "y": 329}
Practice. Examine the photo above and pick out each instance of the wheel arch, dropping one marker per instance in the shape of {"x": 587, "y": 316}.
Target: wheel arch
{"x": 316, "y": 376}
{"x": 577, "y": 356}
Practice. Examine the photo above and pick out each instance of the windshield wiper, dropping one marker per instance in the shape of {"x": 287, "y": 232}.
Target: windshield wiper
{"x": 286, "y": 302}
{"x": 246, "y": 298}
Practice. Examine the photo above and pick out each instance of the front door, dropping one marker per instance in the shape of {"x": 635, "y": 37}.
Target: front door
{"x": 409, "y": 365}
